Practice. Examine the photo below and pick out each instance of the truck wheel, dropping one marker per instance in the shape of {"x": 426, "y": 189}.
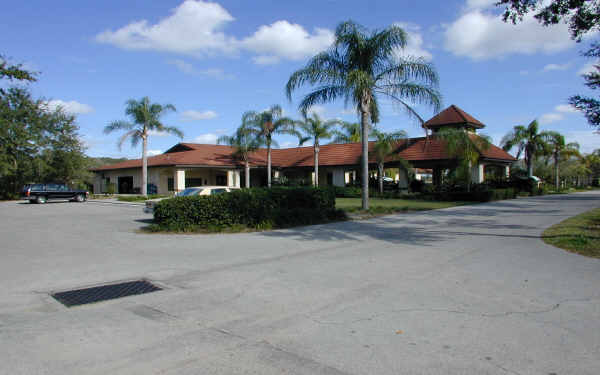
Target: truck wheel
{"x": 32, "y": 201}
{"x": 40, "y": 199}
{"x": 80, "y": 198}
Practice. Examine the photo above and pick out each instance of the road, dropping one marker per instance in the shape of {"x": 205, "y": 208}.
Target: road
{"x": 465, "y": 290}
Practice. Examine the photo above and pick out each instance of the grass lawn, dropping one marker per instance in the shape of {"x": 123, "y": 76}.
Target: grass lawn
{"x": 387, "y": 206}
{"x": 579, "y": 234}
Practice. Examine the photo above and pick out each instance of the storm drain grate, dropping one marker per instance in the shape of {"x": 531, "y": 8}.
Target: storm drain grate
{"x": 105, "y": 292}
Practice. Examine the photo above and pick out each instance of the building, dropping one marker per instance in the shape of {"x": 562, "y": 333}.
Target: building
{"x": 189, "y": 164}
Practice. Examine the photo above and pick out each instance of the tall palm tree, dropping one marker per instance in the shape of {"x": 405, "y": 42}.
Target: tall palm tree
{"x": 315, "y": 129}
{"x": 527, "y": 139}
{"x": 383, "y": 149}
{"x": 360, "y": 67}
{"x": 349, "y": 133}
{"x": 560, "y": 150}
{"x": 466, "y": 147}
{"x": 263, "y": 125}
{"x": 244, "y": 144}
{"x": 145, "y": 118}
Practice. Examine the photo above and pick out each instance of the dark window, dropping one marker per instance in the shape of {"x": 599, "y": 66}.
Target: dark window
{"x": 221, "y": 180}
{"x": 217, "y": 191}
{"x": 170, "y": 184}
{"x": 193, "y": 182}
{"x": 52, "y": 187}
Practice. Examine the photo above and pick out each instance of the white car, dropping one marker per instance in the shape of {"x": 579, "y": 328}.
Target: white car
{"x": 195, "y": 190}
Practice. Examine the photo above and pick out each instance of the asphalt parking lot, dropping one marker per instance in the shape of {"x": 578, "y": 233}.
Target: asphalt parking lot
{"x": 465, "y": 290}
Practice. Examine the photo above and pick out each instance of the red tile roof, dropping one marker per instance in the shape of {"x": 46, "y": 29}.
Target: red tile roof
{"x": 453, "y": 116}
{"x": 414, "y": 149}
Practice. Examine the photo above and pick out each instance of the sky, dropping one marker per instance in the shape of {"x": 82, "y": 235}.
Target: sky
{"x": 216, "y": 60}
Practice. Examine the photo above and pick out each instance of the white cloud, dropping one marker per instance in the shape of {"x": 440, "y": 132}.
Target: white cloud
{"x": 483, "y": 35}
{"x": 414, "y": 46}
{"x": 187, "y": 68}
{"x": 286, "y": 40}
{"x": 71, "y": 107}
{"x": 480, "y": 4}
{"x": 195, "y": 28}
{"x": 588, "y": 68}
{"x": 552, "y": 67}
{"x": 153, "y": 152}
{"x": 523, "y": 72}
{"x": 348, "y": 111}
{"x": 208, "y": 138}
{"x": 192, "y": 115}
{"x": 565, "y": 108}
{"x": 192, "y": 28}
{"x": 319, "y": 110}
{"x": 588, "y": 140}
{"x": 549, "y": 118}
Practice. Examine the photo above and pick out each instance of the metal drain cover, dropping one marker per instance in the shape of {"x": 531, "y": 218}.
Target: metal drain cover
{"x": 105, "y": 292}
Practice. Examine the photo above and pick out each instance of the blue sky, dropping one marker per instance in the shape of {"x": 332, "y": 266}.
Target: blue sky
{"x": 216, "y": 60}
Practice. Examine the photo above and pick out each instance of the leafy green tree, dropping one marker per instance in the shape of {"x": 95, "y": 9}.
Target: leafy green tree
{"x": 527, "y": 139}
{"x": 582, "y": 16}
{"x": 560, "y": 150}
{"x": 466, "y": 147}
{"x": 315, "y": 129}
{"x": 589, "y": 106}
{"x": 14, "y": 72}
{"x": 360, "y": 67}
{"x": 383, "y": 148}
{"x": 263, "y": 125}
{"x": 145, "y": 118}
{"x": 36, "y": 144}
{"x": 244, "y": 144}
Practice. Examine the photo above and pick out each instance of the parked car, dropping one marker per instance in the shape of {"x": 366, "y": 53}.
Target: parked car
{"x": 41, "y": 193}
{"x": 195, "y": 190}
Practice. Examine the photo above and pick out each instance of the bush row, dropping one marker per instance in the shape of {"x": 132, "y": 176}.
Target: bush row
{"x": 473, "y": 196}
{"x": 255, "y": 208}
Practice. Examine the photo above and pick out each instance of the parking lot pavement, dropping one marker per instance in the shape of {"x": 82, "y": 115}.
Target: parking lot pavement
{"x": 465, "y": 290}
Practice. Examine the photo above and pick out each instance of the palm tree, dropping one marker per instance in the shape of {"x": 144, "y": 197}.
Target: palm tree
{"x": 384, "y": 148}
{"x": 244, "y": 144}
{"x": 146, "y": 118}
{"x": 559, "y": 149}
{"x": 350, "y": 133}
{"x": 527, "y": 139}
{"x": 266, "y": 123}
{"x": 316, "y": 129}
{"x": 466, "y": 147}
{"x": 360, "y": 67}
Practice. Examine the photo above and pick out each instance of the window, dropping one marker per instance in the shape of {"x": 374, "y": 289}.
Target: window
{"x": 193, "y": 182}
{"x": 217, "y": 191}
{"x": 170, "y": 184}
{"x": 52, "y": 187}
{"x": 221, "y": 180}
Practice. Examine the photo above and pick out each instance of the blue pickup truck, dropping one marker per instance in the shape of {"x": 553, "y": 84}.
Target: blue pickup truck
{"x": 41, "y": 193}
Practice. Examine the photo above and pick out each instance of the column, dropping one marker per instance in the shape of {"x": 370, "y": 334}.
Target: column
{"x": 477, "y": 173}
{"x": 402, "y": 178}
{"x": 339, "y": 177}
{"x": 179, "y": 180}
{"x": 507, "y": 171}
{"x": 233, "y": 178}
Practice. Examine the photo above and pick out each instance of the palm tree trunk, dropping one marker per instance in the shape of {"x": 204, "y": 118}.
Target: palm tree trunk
{"x": 380, "y": 177}
{"x": 556, "y": 178}
{"x": 316, "y": 165}
{"x": 269, "y": 163}
{"x": 529, "y": 161}
{"x": 247, "y": 166}
{"x": 364, "y": 122}
{"x": 144, "y": 165}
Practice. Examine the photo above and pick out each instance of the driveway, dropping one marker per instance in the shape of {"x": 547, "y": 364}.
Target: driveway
{"x": 465, "y": 290}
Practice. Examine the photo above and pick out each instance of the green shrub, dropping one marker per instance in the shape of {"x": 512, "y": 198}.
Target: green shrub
{"x": 111, "y": 188}
{"x": 347, "y": 191}
{"x": 255, "y": 208}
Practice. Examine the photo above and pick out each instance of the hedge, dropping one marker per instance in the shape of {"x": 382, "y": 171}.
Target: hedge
{"x": 474, "y": 196}
{"x": 255, "y": 208}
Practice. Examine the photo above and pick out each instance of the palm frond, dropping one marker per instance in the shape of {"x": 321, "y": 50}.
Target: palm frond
{"x": 133, "y": 134}
{"x": 118, "y": 125}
